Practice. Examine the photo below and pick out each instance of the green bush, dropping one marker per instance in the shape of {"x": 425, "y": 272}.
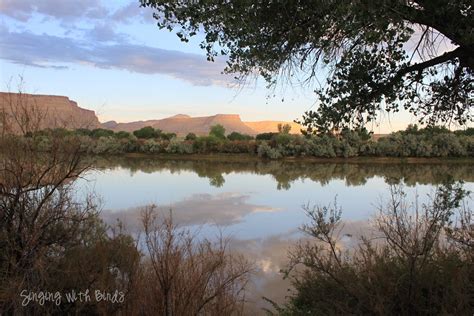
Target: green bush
{"x": 147, "y": 132}
{"x": 178, "y": 147}
{"x": 412, "y": 142}
{"x": 217, "y": 131}
{"x": 101, "y": 132}
{"x": 167, "y": 136}
{"x": 190, "y": 136}
{"x": 265, "y": 151}
{"x": 265, "y": 136}
{"x": 207, "y": 144}
{"x": 238, "y": 136}
{"x": 152, "y": 146}
{"x": 122, "y": 134}
{"x": 107, "y": 145}
{"x": 239, "y": 147}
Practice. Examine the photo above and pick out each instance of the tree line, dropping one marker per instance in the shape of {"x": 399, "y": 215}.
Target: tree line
{"x": 411, "y": 142}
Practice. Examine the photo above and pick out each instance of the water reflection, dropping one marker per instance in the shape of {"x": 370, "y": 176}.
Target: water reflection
{"x": 271, "y": 255}
{"x": 286, "y": 172}
{"x": 221, "y": 209}
{"x": 259, "y": 202}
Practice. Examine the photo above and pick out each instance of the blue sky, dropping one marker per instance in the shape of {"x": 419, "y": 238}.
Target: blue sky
{"x": 110, "y": 57}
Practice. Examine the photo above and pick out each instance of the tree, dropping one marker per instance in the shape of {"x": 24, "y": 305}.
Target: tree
{"x": 122, "y": 134}
{"x": 147, "y": 132}
{"x": 218, "y": 131}
{"x": 101, "y": 132}
{"x": 39, "y": 215}
{"x": 238, "y": 136}
{"x": 284, "y": 128}
{"x": 191, "y": 136}
{"x": 362, "y": 46}
{"x": 265, "y": 136}
{"x": 167, "y": 136}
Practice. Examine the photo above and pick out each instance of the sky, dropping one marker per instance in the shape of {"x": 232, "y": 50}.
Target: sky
{"x": 110, "y": 57}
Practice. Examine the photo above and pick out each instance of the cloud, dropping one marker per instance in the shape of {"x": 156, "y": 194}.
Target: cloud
{"x": 103, "y": 32}
{"x": 221, "y": 209}
{"x": 43, "y": 50}
{"x": 23, "y": 10}
{"x": 132, "y": 13}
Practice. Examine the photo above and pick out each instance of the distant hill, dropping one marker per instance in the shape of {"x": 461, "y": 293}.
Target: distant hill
{"x": 182, "y": 124}
{"x": 272, "y": 126}
{"x": 60, "y": 111}
{"x": 50, "y": 111}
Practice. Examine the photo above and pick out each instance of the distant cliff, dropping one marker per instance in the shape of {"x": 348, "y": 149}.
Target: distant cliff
{"x": 49, "y": 110}
{"x": 272, "y": 126}
{"x": 60, "y": 111}
{"x": 182, "y": 124}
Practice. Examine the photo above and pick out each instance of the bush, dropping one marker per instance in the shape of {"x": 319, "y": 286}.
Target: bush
{"x": 447, "y": 145}
{"x": 467, "y": 132}
{"x": 177, "y": 147}
{"x": 265, "y": 151}
{"x": 101, "y": 132}
{"x": 324, "y": 146}
{"x": 147, "y": 132}
{"x": 190, "y": 136}
{"x": 265, "y": 136}
{"x": 152, "y": 146}
{"x": 418, "y": 262}
{"x": 107, "y": 145}
{"x": 283, "y": 139}
{"x": 238, "y": 147}
{"x": 238, "y": 136}
{"x": 207, "y": 144}
{"x": 217, "y": 131}
{"x": 167, "y": 136}
{"x": 122, "y": 134}
{"x": 83, "y": 132}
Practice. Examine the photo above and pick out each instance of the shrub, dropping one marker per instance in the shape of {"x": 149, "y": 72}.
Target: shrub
{"x": 207, "y": 144}
{"x": 217, "y": 131}
{"x": 238, "y": 147}
{"x": 190, "y": 136}
{"x": 238, "y": 136}
{"x": 419, "y": 262}
{"x": 447, "y": 145}
{"x": 265, "y": 136}
{"x": 101, "y": 132}
{"x": 167, "y": 136}
{"x": 186, "y": 275}
{"x": 466, "y": 132}
{"x": 107, "y": 145}
{"x": 265, "y": 151}
{"x": 152, "y": 146}
{"x": 177, "y": 147}
{"x": 283, "y": 139}
{"x": 324, "y": 146}
{"x": 122, "y": 134}
{"x": 147, "y": 132}
{"x": 347, "y": 149}
{"x": 83, "y": 132}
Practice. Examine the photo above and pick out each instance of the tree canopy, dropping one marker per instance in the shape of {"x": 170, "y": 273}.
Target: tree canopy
{"x": 376, "y": 55}
{"x": 218, "y": 131}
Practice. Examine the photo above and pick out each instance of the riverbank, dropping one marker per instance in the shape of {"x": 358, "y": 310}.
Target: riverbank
{"x": 247, "y": 157}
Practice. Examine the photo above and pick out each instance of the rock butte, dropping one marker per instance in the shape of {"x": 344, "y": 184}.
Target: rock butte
{"x": 60, "y": 111}
{"x": 47, "y": 111}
